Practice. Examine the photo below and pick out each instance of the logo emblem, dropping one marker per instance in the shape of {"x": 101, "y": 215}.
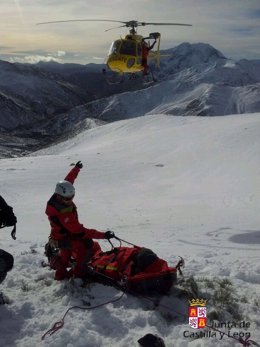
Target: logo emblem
{"x": 197, "y": 313}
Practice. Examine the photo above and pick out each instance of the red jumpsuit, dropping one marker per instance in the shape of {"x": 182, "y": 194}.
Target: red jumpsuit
{"x": 145, "y": 53}
{"x": 72, "y": 237}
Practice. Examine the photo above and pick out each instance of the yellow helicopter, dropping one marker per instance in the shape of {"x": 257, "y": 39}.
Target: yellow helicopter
{"x": 126, "y": 54}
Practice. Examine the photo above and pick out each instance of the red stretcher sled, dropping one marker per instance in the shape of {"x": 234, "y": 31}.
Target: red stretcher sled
{"x": 135, "y": 269}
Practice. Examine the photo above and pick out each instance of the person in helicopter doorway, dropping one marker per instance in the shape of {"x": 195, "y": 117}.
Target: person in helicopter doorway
{"x": 68, "y": 236}
{"x": 146, "y": 47}
{"x": 7, "y": 219}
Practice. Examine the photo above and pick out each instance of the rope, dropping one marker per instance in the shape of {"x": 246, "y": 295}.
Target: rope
{"x": 59, "y": 325}
{"x": 129, "y": 243}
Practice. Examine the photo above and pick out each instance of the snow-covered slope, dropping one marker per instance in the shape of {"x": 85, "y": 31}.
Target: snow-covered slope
{"x": 185, "y": 186}
{"x": 171, "y": 97}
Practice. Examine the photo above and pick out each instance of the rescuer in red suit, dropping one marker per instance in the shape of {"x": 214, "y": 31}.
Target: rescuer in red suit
{"x": 145, "y": 52}
{"x": 68, "y": 235}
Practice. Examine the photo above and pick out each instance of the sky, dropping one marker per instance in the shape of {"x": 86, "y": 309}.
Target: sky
{"x": 181, "y": 186}
{"x": 232, "y": 26}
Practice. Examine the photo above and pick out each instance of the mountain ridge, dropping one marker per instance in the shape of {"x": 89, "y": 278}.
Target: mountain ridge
{"x": 52, "y": 101}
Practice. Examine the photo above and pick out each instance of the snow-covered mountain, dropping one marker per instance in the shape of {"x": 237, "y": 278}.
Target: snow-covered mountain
{"x": 29, "y": 94}
{"x": 195, "y": 80}
{"x": 49, "y": 101}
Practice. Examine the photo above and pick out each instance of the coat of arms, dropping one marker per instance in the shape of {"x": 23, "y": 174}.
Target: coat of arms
{"x": 197, "y": 313}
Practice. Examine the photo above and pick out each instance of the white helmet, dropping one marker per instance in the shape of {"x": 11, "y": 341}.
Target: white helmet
{"x": 65, "y": 189}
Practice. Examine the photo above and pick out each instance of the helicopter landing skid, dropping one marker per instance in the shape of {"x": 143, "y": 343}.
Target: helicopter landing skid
{"x": 148, "y": 79}
{"x": 113, "y": 77}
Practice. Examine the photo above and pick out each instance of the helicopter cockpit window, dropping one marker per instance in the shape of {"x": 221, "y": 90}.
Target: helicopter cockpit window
{"x": 115, "y": 46}
{"x": 128, "y": 47}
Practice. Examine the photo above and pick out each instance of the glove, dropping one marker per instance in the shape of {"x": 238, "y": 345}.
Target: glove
{"x": 79, "y": 164}
{"x": 109, "y": 234}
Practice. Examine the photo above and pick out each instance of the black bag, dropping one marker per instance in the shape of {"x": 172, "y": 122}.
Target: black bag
{"x": 7, "y": 217}
{"x": 143, "y": 259}
{"x": 6, "y": 263}
{"x": 150, "y": 340}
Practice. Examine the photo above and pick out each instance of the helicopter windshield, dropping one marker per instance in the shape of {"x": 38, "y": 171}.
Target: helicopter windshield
{"x": 115, "y": 47}
{"x": 128, "y": 47}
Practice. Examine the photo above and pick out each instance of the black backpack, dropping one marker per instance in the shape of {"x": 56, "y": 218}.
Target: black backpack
{"x": 7, "y": 217}
{"x": 6, "y": 264}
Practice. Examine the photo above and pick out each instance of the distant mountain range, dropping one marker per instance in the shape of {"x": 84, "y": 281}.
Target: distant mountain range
{"x": 48, "y": 102}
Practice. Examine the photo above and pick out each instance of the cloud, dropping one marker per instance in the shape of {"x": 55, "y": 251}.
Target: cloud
{"x": 35, "y": 56}
{"x": 61, "y": 53}
{"x": 33, "y": 59}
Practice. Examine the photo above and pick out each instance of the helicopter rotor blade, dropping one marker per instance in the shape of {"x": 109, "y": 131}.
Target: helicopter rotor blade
{"x": 131, "y": 23}
{"x": 83, "y": 20}
{"x": 182, "y": 24}
{"x": 121, "y": 26}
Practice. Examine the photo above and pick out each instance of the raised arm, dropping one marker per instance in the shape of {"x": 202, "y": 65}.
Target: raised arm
{"x": 73, "y": 174}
